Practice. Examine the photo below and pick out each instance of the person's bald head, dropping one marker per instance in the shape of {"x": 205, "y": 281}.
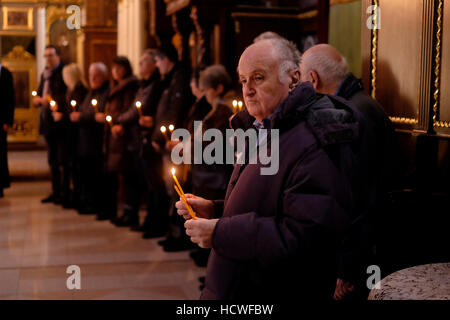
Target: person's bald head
{"x": 267, "y": 71}
{"x": 324, "y": 67}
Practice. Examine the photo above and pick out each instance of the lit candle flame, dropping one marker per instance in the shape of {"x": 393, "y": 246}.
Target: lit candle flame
{"x": 163, "y": 129}
{"x": 94, "y": 102}
{"x": 108, "y": 118}
{"x": 171, "y": 127}
{"x": 73, "y": 103}
{"x": 173, "y": 171}
{"x": 138, "y": 104}
{"x": 235, "y": 103}
{"x": 34, "y": 93}
{"x": 240, "y": 104}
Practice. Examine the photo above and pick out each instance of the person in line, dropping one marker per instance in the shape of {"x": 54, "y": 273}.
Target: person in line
{"x": 52, "y": 87}
{"x": 279, "y": 233}
{"x": 90, "y": 138}
{"x": 76, "y": 92}
{"x": 327, "y": 70}
{"x": 116, "y": 141}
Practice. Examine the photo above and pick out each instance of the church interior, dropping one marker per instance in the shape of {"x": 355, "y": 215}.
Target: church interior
{"x": 53, "y": 250}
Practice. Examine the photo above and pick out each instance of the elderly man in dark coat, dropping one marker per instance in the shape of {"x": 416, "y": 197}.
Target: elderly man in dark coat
{"x": 326, "y": 69}
{"x": 6, "y": 121}
{"x": 54, "y": 130}
{"x": 90, "y": 137}
{"x": 278, "y": 236}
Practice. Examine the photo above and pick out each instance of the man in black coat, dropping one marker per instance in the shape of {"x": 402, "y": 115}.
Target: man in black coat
{"x": 90, "y": 137}
{"x": 6, "y": 121}
{"x": 278, "y": 236}
{"x": 173, "y": 108}
{"x": 52, "y": 87}
{"x": 326, "y": 69}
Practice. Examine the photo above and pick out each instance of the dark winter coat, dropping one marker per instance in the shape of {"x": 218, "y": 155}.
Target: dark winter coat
{"x": 278, "y": 235}
{"x": 90, "y": 134}
{"x": 119, "y": 101}
{"x": 58, "y": 89}
{"x": 372, "y": 180}
{"x": 175, "y": 102}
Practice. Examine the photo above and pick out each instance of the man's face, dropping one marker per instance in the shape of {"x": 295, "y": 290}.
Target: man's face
{"x": 96, "y": 78}
{"x": 51, "y": 58}
{"x": 163, "y": 65}
{"x": 146, "y": 66}
{"x": 261, "y": 87}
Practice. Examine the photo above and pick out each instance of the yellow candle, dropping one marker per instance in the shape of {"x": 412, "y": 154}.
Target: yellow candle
{"x": 163, "y": 130}
{"x": 94, "y": 103}
{"x": 109, "y": 120}
{"x": 53, "y": 106}
{"x": 138, "y": 106}
{"x": 180, "y": 192}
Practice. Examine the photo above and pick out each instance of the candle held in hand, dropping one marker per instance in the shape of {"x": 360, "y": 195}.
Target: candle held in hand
{"x": 164, "y": 132}
{"x": 94, "y": 103}
{"x": 73, "y": 103}
{"x": 34, "y": 93}
{"x": 180, "y": 192}
{"x": 109, "y": 120}
{"x": 138, "y": 107}
{"x": 53, "y": 106}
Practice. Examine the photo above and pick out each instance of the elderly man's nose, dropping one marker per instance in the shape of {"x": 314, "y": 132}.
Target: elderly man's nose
{"x": 247, "y": 91}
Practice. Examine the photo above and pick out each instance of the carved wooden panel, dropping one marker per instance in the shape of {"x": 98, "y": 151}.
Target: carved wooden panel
{"x": 100, "y": 46}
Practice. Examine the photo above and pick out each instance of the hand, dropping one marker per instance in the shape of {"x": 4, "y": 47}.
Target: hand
{"x": 203, "y": 208}
{"x": 75, "y": 116}
{"x": 117, "y": 130}
{"x": 100, "y": 117}
{"x": 171, "y": 144}
{"x": 146, "y": 121}
{"x": 201, "y": 231}
{"x": 37, "y": 101}
{"x": 156, "y": 146}
{"x": 57, "y": 116}
{"x": 342, "y": 289}
{"x": 5, "y": 127}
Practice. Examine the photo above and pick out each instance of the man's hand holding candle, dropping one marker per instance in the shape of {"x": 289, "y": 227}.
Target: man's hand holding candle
{"x": 100, "y": 117}
{"x": 146, "y": 121}
{"x": 203, "y": 208}
{"x": 117, "y": 130}
{"x": 57, "y": 116}
{"x": 75, "y": 116}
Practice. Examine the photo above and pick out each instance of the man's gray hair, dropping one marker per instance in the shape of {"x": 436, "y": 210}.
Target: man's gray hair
{"x": 269, "y": 35}
{"x": 328, "y": 69}
{"x": 215, "y": 75}
{"x": 286, "y": 57}
{"x": 102, "y": 67}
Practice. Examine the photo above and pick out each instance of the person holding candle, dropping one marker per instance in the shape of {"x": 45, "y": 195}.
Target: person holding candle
{"x": 6, "y": 121}
{"x": 116, "y": 141}
{"x": 280, "y": 233}
{"x": 52, "y": 84}
{"x": 76, "y": 92}
{"x": 90, "y": 138}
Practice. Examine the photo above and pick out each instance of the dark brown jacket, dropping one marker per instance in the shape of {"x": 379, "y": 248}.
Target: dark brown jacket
{"x": 119, "y": 101}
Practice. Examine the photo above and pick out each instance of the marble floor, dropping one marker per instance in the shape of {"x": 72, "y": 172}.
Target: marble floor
{"x": 39, "y": 241}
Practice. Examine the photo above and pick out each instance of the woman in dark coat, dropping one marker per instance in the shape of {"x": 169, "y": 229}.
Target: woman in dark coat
{"x": 119, "y": 101}
{"x": 76, "y": 92}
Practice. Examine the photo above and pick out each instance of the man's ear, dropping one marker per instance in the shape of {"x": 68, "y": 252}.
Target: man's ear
{"x": 315, "y": 80}
{"x": 294, "y": 78}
